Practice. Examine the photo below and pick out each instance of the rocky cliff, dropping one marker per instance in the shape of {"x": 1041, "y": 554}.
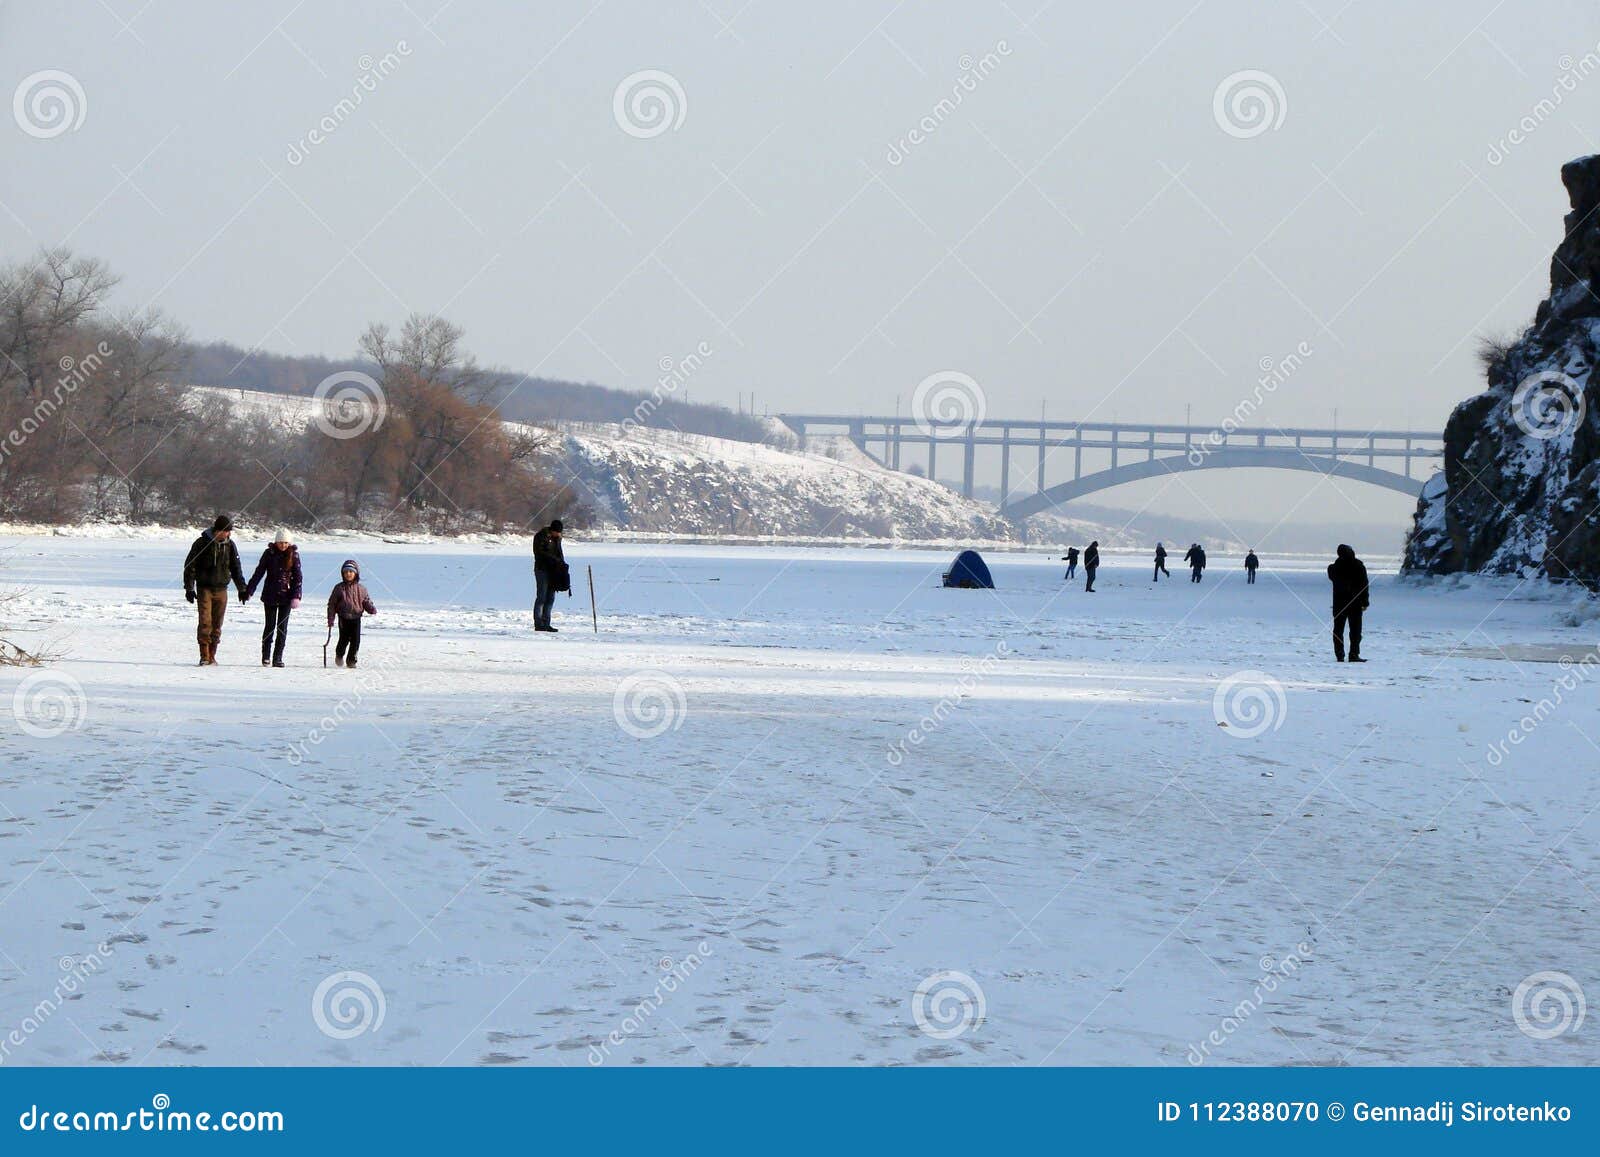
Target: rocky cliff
{"x": 1520, "y": 489}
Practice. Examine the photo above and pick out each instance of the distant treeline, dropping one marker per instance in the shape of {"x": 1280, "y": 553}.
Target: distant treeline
{"x": 95, "y": 422}
{"x": 514, "y": 396}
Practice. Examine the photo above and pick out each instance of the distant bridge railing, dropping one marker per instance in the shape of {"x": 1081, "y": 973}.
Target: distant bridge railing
{"x": 1120, "y": 452}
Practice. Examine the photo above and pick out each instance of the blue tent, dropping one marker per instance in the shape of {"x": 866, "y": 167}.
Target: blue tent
{"x": 969, "y": 571}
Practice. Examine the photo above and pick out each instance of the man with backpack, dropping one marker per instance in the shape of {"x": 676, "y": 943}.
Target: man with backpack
{"x": 550, "y": 574}
{"x": 212, "y": 563}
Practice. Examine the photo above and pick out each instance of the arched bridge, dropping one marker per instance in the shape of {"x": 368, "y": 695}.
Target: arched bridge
{"x": 1107, "y": 454}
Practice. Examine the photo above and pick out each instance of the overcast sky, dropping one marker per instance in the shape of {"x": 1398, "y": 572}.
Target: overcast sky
{"x": 1087, "y": 228}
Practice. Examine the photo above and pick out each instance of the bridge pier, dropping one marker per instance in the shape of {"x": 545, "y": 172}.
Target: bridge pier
{"x": 1005, "y": 464}
{"x": 968, "y": 461}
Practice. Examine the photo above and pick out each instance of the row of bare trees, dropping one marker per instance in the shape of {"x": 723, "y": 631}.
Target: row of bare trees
{"x": 96, "y": 423}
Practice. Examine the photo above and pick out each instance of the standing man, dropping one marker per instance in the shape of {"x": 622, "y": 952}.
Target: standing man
{"x": 1071, "y": 559}
{"x": 1196, "y": 558}
{"x": 1348, "y": 574}
{"x": 550, "y": 574}
{"x": 212, "y": 564}
{"x": 1091, "y": 563}
{"x": 1251, "y": 565}
{"x": 1161, "y": 564}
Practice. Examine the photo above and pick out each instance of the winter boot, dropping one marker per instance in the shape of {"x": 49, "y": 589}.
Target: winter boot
{"x": 338, "y": 660}
{"x": 350, "y": 662}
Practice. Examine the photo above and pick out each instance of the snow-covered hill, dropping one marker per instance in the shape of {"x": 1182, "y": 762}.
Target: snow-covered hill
{"x": 654, "y": 481}
{"x": 659, "y": 480}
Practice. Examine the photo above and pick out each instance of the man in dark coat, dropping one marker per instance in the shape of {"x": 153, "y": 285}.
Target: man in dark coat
{"x": 1348, "y": 574}
{"x": 1251, "y": 565}
{"x": 550, "y": 573}
{"x": 1196, "y": 558}
{"x": 1161, "y": 564}
{"x": 212, "y": 564}
{"x": 1091, "y": 563}
{"x": 1071, "y": 559}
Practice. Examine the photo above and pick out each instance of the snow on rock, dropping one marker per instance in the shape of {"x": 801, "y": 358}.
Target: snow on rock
{"x": 661, "y": 480}
{"x": 1521, "y": 479}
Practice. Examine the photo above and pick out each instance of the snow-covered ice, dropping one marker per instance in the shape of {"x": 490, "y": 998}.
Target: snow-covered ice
{"x": 779, "y": 790}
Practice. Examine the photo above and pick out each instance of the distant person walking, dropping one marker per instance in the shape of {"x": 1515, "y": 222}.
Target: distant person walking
{"x": 1161, "y": 564}
{"x": 212, "y": 563}
{"x": 1251, "y": 565}
{"x": 1348, "y": 574}
{"x": 278, "y": 575}
{"x": 1071, "y": 558}
{"x": 550, "y": 574}
{"x": 348, "y": 602}
{"x": 1196, "y": 558}
{"x": 1091, "y": 563}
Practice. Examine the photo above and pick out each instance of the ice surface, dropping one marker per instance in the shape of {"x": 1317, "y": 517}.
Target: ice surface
{"x": 480, "y": 829}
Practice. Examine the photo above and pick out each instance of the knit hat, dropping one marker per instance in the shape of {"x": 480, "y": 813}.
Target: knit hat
{"x": 350, "y": 564}
{"x": 223, "y": 522}
{"x": 555, "y": 524}
{"x": 282, "y": 535}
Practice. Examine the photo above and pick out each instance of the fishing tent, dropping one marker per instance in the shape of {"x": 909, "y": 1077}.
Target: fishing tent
{"x": 969, "y": 571}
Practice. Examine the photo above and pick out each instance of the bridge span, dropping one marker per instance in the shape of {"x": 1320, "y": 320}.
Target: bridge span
{"x": 1107, "y": 454}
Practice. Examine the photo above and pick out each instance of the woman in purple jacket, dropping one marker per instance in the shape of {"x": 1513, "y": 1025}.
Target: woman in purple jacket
{"x": 278, "y": 575}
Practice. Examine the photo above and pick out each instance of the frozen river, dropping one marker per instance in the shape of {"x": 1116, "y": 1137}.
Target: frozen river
{"x": 794, "y": 805}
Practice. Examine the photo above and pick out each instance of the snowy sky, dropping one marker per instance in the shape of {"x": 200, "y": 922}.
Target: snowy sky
{"x": 1087, "y": 229}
